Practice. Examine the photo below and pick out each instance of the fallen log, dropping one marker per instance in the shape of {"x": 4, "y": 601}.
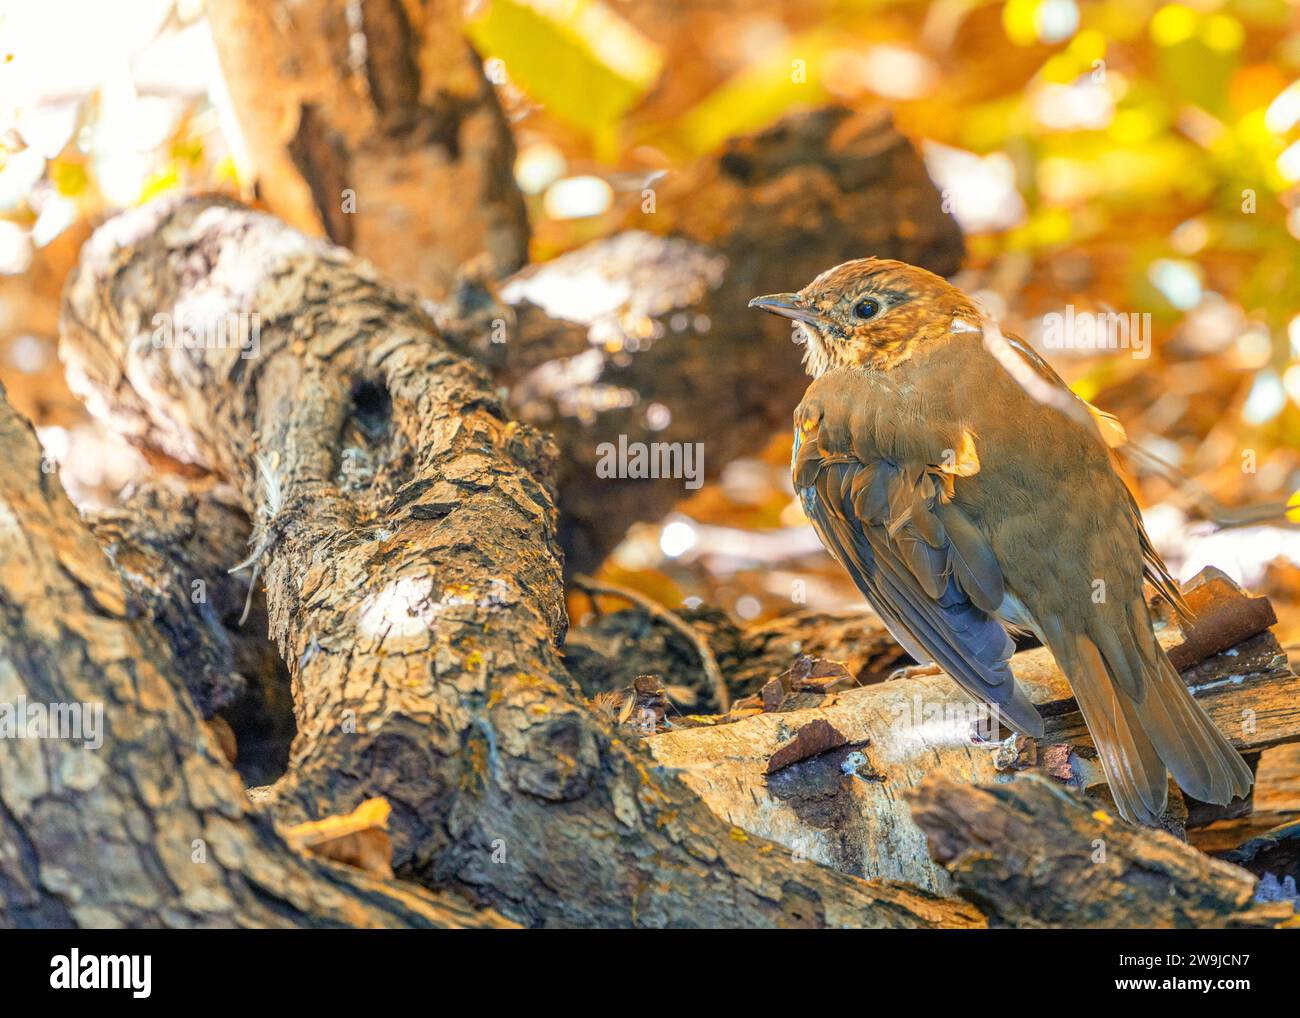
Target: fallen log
{"x": 1034, "y": 855}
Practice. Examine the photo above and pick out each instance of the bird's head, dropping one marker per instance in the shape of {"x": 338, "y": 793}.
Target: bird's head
{"x": 872, "y": 313}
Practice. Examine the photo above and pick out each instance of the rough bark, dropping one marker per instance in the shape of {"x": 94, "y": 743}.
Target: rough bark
{"x": 1032, "y": 855}
{"x": 150, "y": 828}
{"x": 407, "y": 530}
{"x": 385, "y": 99}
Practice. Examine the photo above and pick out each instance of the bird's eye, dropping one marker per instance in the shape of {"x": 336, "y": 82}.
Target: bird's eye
{"x": 866, "y": 309}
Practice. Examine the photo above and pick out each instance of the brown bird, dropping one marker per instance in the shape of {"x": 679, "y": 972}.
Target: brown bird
{"x": 970, "y": 494}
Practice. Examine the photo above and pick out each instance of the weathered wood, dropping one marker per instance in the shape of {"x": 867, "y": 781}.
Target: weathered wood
{"x": 1223, "y": 613}
{"x": 1275, "y": 802}
{"x": 408, "y": 531}
{"x": 138, "y": 821}
{"x": 1032, "y": 854}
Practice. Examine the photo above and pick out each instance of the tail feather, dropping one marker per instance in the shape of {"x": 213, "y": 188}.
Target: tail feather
{"x": 1198, "y": 755}
{"x": 1138, "y": 737}
{"x": 1134, "y": 770}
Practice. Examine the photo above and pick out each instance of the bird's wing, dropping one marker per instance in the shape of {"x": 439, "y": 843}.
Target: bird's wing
{"x": 924, "y": 567}
{"x": 1113, "y": 434}
{"x": 1108, "y": 425}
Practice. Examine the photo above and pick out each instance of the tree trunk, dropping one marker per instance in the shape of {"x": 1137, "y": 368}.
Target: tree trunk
{"x": 361, "y": 119}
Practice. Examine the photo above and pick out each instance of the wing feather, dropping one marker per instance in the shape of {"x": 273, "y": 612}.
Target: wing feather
{"x": 920, "y": 562}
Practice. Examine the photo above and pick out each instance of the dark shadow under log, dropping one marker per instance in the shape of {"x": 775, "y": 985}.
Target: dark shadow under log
{"x": 172, "y": 541}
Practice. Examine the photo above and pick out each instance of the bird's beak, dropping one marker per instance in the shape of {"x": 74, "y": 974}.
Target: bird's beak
{"x": 787, "y": 305}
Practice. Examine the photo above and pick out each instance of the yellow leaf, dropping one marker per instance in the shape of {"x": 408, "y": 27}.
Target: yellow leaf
{"x": 167, "y": 179}
{"x": 358, "y": 839}
{"x": 580, "y": 59}
{"x": 69, "y": 177}
{"x": 760, "y": 94}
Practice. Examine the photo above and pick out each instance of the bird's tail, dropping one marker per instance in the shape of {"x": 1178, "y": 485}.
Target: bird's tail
{"x": 1143, "y": 720}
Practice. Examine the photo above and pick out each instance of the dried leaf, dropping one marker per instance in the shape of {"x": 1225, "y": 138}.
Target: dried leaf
{"x": 359, "y": 839}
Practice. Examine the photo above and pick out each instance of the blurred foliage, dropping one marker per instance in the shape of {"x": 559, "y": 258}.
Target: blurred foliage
{"x": 1137, "y": 157}
{"x": 1127, "y": 155}
{"x": 584, "y": 62}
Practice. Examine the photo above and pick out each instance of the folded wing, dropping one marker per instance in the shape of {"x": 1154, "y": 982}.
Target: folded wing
{"x": 923, "y": 566}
